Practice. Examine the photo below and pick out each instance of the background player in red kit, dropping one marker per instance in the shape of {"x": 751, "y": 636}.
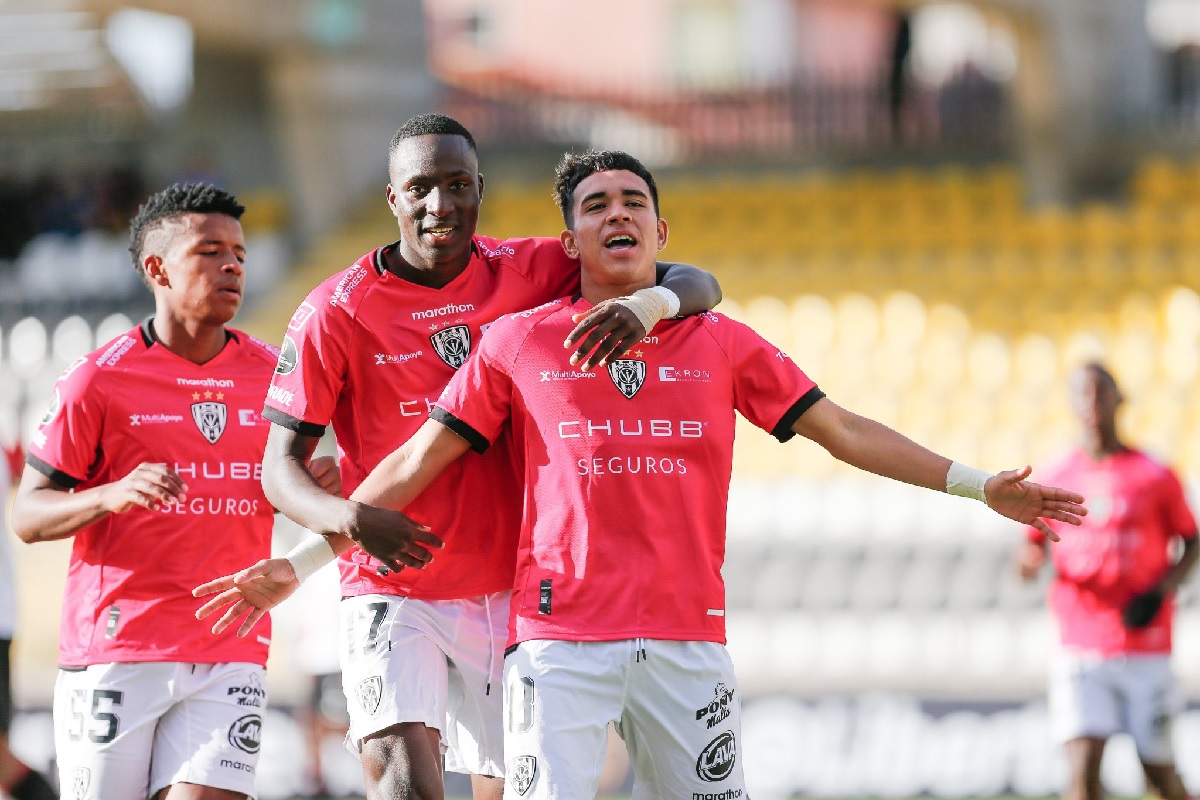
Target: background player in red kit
{"x": 1112, "y": 596}
{"x": 369, "y": 351}
{"x": 17, "y": 779}
{"x": 618, "y": 605}
{"x": 149, "y": 457}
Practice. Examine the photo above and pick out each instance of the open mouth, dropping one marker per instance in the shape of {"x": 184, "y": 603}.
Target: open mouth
{"x": 440, "y": 233}
{"x": 620, "y": 241}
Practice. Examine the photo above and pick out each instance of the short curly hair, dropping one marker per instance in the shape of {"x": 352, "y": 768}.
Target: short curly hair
{"x": 430, "y": 124}
{"x": 172, "y": 202}
{"x": 574, "y": 167}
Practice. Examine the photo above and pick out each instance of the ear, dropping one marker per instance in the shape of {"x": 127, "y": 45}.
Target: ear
{"x": 156, "y": 271}
{"x": 479, "y": 176}
{"x": 662, "y": 233}
{"x": 391, "y": 198}
{"x": 569, "y": 245}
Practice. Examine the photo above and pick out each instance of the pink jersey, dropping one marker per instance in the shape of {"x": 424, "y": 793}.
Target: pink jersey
{"x": 626, "y": 469}
{"x": 370, "y": 352}
{"x": 1136, "y": 507}
{"x": 129, "y": 584}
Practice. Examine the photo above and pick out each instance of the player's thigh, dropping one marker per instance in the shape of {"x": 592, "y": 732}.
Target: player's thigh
{"x": 105, "y": 717}
{"x": 1083, "y": 698}
{"x": 559, "y": 698}
{"x": 403, "y": 761}
{"x": 393, "y": 669}
{"x": 474, "y": 732}
{"x": 682, "y": 724}
{"x": 212, "y": 735}
{"x": 1153, "y": 699}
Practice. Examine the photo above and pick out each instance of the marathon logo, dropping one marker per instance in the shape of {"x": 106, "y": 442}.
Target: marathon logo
{"x": 215, "y": 383}
{"x": 115, "y": 351}
{"x": 728, "y": 794}
{"x": 445, "y": 311}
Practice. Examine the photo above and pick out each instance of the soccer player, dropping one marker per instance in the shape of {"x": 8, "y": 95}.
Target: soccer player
{"x": 618, "y": 606}
{"x": 1112, "y": 596}
{"x": 17, "y": 779}
{"x": 368, "y": 351}
{"x": 149, "y": 457}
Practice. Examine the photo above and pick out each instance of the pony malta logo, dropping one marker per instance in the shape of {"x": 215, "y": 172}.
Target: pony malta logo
{"x": 452, "y": 344}
{"x": 627, "y": 375}
{"x": 210, "y": 418}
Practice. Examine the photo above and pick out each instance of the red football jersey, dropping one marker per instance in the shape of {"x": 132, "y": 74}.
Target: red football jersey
{"x": 1136, "y": 506}
{"x": 369, "y": 352}
{"x": 129, "y": 584}
{"x": 626, "y": 469}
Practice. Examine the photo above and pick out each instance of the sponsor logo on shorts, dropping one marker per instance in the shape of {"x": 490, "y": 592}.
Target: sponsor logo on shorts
{"x": 251, "y": 694}
{"x": 627, "y": 375}
{"x": 717, "y": 758}
{"x": 368, "y": 693}
{"x": 210, "y": 418}
{"x": 289, "y": 357}
{"x": 717, "y": 711}
{"x": 81, "y": 779}
{"x": 246, "y": 733}
{"x": 521, "y": 772}
{"x": 53, "y": 409}
{"x": 225, "y": 762}
{"x": 452, "y": 344}
{"x": 728, "y": 794}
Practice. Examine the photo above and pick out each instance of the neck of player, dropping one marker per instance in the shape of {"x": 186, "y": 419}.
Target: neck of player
{"x": 1101, "y": 442}
{"x": 596, "y": 289}
{"x": 198, "y": 342}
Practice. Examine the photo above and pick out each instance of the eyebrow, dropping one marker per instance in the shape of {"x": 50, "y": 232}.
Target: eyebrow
{"x": 211, "y": 242}
{"x": 624, "y": 193}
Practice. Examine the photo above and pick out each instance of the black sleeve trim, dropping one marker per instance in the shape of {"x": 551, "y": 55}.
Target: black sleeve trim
{"x": 291, "y": 423}
{"x": 478, "y": 442}
{"x": 783, "y": 430}
{"x": 56, "y": 475}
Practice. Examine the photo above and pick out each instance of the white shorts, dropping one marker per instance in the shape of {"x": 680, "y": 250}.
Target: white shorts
{"x": 674, "y": 703}
{"x": 125, "y": 731}
{"x": 437, "y": 662}
{"x": 1101, "y": 696}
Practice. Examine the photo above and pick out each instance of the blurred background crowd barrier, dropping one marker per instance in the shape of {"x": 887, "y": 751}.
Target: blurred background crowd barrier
{"x": 937, "y": 209}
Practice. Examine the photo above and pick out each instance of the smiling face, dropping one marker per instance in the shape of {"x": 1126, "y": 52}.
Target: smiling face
{"x": 615, "y": 233}
{"x": 434, "y": 193}
{"x": 194, "y": 263}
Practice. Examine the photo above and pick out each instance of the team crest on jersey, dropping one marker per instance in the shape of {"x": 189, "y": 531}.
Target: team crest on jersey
{"x": 81, "y": 779}
{"x": 627, "y": 375}
{"x": 521, "y": 771}
{"x": 368, "y": 693}
{"x": 210, "y": 418}
{"x": 453, "y": 345}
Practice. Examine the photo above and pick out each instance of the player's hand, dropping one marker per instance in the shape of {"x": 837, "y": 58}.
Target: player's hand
{"x": 149, "y": 486}
{"x": 393, "y": 538}
{"x": 325, "y": 470}
{"x": 1008, "y": 493}
{"x": 603, "y": 334}
{"x": 1142, "y": 609}
{"x": 253, "y": 591}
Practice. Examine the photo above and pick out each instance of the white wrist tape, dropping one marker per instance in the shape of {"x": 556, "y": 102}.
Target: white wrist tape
{"x": 966, "y": 481}
{"x": 310, "y": 555}
{"x": 650, "y": 305}
{"x": 671, "y": 298}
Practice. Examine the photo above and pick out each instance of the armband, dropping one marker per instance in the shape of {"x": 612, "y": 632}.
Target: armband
{"x": 966, "y": 481}
{"x": 309, "y": 556}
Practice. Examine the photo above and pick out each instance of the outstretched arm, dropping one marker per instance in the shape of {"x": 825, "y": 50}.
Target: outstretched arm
{"x": 45, "y": 510}
{"x": 604, "y": 333}
{"x": 395, "y": 482}
{"x": 868, "y": 445}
